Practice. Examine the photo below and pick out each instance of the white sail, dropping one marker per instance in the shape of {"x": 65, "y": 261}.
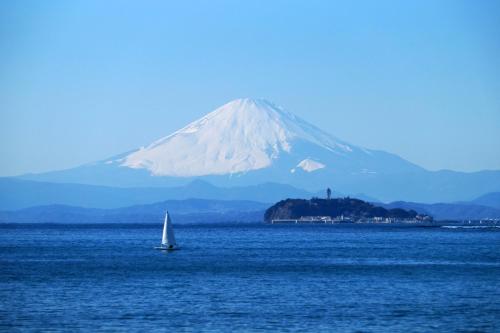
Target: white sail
{"x": 168, "y": 238}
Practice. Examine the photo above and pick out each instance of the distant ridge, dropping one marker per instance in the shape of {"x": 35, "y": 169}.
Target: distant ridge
{"x": 488, "y": 199}
{"x": 183, "y": 211}
{"x": 209, "y": 211}
{"x": 449, "y": 211}
{"x": 18, "y": 194}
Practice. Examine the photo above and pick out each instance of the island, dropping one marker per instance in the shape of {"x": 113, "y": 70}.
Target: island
{"x": 338, "y": 210}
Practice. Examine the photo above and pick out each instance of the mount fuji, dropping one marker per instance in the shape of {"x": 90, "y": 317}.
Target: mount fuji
{"x": 253, "y": 141}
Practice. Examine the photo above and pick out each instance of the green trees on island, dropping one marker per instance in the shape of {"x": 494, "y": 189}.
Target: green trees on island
{"x": 348, "y": 207}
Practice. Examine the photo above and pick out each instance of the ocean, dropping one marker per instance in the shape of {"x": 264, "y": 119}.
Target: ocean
{"x": 249, "y": 278}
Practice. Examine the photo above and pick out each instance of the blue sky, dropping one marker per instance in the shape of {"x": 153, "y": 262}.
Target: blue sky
{"x": 84, "y": 80}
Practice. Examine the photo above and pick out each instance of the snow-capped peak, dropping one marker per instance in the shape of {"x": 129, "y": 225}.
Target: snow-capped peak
{"x": 309, "y": 165}
{"x": 242, "y": 135}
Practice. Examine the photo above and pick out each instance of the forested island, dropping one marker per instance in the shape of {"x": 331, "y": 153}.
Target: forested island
{"x": 348, "y": 208}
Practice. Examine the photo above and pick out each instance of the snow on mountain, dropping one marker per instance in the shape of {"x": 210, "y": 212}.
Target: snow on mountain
{"x": 309, "y": 165}
{"x": 241, "y": 136}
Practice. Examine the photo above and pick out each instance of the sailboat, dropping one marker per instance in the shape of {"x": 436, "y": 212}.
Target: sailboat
{"x": 168, "y": 239}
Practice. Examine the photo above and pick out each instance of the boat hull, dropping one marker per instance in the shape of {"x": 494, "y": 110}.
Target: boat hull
{"x": 164, "y": 248}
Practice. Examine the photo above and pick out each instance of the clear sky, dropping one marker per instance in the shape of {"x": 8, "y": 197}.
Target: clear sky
{"x": 84, "y": 80}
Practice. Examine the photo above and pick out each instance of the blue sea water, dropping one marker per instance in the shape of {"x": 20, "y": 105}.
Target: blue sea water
{"x": 249, "y": 278}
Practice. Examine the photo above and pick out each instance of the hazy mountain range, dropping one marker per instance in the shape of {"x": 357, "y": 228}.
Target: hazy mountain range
{"x": 182, "y": 211}
{"x": 19, "y": 194}
{"x": 248, "y": 142}
{"x": 213, "y": 211}
{"x": 30, "y": 201}
{"x": 488, "y": 199}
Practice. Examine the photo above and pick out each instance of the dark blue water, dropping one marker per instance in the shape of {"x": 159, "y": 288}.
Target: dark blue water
{"x": 249, "y": 278}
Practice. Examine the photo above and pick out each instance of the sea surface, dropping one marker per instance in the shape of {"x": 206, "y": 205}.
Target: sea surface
{"x": 249, "y": 278}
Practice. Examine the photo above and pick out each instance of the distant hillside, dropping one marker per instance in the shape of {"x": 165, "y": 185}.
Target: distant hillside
{"x": 295, "y": 208}
{"x": 18, "y": 194}
{"x": 448, "y": 211}
{"x": 490, "y": 199}
{"x": 182, "y": 211}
